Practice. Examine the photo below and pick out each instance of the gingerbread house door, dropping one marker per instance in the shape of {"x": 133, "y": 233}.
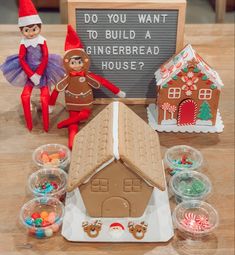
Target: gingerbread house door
{"x": 187, "y": 112}
{"x": 115, "y": 207}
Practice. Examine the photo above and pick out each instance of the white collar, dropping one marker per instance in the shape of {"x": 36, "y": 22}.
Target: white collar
{"x": 33, "y": 42}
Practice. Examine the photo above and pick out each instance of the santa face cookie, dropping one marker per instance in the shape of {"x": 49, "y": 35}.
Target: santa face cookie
{"x": 116, "y": 230}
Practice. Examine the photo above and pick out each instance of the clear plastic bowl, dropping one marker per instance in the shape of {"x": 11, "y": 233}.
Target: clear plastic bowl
{"x": 188, "y": 185}
{"x": 189, "y": 218}
{"x": 48, "y": 181}
{"x": 174, "y": 155}
{"x": 49, "y": 225}
{"x": 52, "y": 155}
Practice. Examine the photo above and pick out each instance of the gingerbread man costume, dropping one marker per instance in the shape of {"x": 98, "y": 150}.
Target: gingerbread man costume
{"x": 78, "y": 85}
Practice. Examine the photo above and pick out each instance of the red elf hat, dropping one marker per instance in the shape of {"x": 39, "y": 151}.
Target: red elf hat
{"x": 28, "y": 15}
{"x": 72, "y": 40}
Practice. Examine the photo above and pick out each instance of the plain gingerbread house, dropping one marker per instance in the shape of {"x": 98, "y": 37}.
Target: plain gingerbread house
{"x": 116, "y": 163}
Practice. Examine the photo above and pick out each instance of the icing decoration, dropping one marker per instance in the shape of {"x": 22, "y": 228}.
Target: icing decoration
{"x": 92, "y": 229}
{"x": 138, "y": 230}
{"x": 204, "y": 111}
{"x": 190, "y": 83}
{"x": 172, "y": 109}
{"x": 115, "y": 131}
{"x": 165, "y": 107}
{"x": 116, "y": 230}
{"x": 187, "y": 113}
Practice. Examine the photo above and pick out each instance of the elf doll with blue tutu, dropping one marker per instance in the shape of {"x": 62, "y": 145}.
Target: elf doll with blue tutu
{"x": 33, "y": 67}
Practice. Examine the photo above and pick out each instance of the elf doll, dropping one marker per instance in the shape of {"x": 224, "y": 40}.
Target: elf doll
{"x": 33, "y": 67}
{"x": 78, "y": 85}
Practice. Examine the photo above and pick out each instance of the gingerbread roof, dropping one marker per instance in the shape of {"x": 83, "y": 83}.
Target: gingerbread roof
{"x": 116, "y": 133}
{"x": 181, "y": 60}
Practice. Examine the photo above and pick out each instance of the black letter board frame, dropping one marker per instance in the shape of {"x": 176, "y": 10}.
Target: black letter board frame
{"x": 139, "y": 85}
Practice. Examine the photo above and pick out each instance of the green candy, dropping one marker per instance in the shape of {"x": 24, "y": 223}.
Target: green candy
{"x": 38, "y": 222}
{"x": 198, "y": 186}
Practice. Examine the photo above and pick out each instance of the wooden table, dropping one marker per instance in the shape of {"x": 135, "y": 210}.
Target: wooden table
{"x": 215, "y": 43}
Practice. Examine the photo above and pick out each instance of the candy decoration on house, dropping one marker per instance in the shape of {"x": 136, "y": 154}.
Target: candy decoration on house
{"x": 138, "y": 230}
{"x": 33, "y": 67}
{"x": 116, "y": 230}
{"x": 78, "y": 85}
{"x": 92, "y": 229}
{"x": 188, "y": 95}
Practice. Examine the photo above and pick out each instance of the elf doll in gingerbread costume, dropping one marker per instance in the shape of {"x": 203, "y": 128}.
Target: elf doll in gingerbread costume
{"x": 78, "y": 85}
{"x": 33, "y": 67}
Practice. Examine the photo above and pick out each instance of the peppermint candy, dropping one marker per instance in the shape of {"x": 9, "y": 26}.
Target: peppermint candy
{"x": 195, "y": 222}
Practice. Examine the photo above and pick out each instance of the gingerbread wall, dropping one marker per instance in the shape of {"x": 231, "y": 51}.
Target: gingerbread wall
{"x": 177, "y": 82}
{"x": 116, "y": 191}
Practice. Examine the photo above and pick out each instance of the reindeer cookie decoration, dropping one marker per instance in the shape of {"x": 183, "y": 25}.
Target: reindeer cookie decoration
{"x": 138, "y": 230}
{"x": 78, "y": 85}
{"x": 33, "y": 67}
{"x": 92, "y": 229}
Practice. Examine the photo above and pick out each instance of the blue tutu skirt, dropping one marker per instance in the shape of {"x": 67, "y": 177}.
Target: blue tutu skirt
{"x": 16, "y": 76}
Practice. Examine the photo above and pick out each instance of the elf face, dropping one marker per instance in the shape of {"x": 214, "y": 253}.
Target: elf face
{"x": 76, "y": 63}
{"x": 31, "y": 32}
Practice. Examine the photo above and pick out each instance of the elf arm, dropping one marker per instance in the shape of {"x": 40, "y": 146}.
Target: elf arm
{"x": 60, "y": 86}
{"x": 41, "y": 68}
{"x": 23, "y": 63}
{"x": 108, "y": 85}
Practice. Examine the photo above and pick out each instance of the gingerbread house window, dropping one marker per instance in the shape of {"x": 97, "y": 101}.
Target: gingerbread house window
{"x": 99, "y": 185}
{"x": 205, "y": 94}
{"x": 132, "y": 185}
{"x": 174, "y": 93}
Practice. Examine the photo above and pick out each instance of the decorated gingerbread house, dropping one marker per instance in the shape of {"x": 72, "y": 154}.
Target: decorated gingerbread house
{"x": 188, "y": 92}
{"x": 116, "y": 163}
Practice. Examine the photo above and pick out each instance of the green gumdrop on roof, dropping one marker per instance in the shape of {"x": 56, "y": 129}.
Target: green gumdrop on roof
{"x": 213, "y": 86}
{"x": 165, "y": 85}
{"x": 175, "y": 77}
{"x": 185, "y": 69}
{"x": 204, "y": 78}
{"x": 196, "y": 70}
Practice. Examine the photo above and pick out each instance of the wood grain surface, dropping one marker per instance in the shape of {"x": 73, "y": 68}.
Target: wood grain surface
{"x": 216, "y": 44}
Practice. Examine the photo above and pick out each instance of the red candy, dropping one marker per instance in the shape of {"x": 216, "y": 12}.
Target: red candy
{"x": 35, "y": 215}
{"x": 195, "y": 222}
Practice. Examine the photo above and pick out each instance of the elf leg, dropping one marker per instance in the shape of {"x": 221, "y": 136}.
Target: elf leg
{"x": 73, "y": 130}
{"x": 25, "y": 99}
{"x": 75, "y": 117}
{"x": 45, "y": 97}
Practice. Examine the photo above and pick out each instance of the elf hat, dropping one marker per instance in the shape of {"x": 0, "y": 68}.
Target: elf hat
{"x": 27, "y": 14}
{"x": 72, "y": 40}
{"x": 116, "y": 224}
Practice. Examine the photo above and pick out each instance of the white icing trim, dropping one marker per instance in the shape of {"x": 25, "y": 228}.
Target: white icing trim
{"x": 99, "y": 169}
{"x": 33, "y": 42}
{"x": 29, "y": 20}
{"x": 115, "y": 130}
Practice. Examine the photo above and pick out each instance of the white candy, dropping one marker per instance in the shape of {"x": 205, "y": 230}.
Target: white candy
{"x": 48, "y": 232}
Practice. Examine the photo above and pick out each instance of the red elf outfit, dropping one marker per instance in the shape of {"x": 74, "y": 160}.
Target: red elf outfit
{"x": 78, "y": 86}
{"x": 33, "y": 67}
